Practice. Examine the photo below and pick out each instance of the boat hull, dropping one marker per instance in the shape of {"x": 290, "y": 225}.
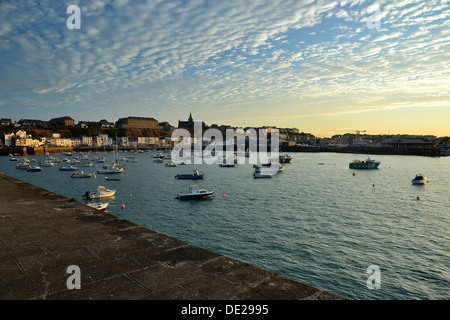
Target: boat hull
{"x": 102, "y": 195}
{"x": 364, "y": 165}
{"x": 195, "y": 196}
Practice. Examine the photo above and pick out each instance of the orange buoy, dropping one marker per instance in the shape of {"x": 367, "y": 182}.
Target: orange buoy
{"x": 418, "y": 198}
{"x": 122, "y": 206}
{"x": 224, "y": 196}
{"x": 354, "y": 173}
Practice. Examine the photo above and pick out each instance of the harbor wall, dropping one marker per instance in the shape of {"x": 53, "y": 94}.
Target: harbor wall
{"x": 428, "y": 152}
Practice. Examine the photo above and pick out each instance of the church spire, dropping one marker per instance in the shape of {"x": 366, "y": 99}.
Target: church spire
{"x": 190, "y": 118}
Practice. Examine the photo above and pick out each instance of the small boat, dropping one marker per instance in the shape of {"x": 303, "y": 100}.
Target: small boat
{"x": 227, "y": 165}
{"x": 101, "y": 192}
{"x": 262, "y": 175}
{"x": 170, "y": 164}
{"x": 22, "y": 165}
{"x": 110, "y": 170}
{"x": 84, "y": 163}
{"x": 195, "y": 175}
{"x": 68, "y": 168}
{"x": 195, "y": 193}
{"x": 98, "y": 205}
{"x": 367, "y": 164}
{"x": 265, "y": 172}
{"x": 419, "y": 179}
{"x": 285, "y": 159}
{"x": 34, "y": 169}
{"x": 281, "y": 168}
{"x": 113, "y": 178}
{"x": 47, "y": 163}
{"x": 159, "y": 160}
{"x": 82, "y": 174}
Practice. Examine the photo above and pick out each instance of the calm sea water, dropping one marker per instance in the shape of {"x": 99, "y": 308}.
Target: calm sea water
{"x": 315, "y": 222}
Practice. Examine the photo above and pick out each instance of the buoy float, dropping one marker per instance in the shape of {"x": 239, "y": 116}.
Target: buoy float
{"x": 418, "y": 198}
{"x": 354, "y": 173}
{"x": 224, "y": 196}
{"x": 122, "y": 206}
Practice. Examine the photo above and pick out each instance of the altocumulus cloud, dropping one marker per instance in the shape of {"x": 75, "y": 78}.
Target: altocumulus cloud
{"x": 153, "y": 57}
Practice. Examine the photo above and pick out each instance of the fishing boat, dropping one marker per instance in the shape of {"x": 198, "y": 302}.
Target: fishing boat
{"x": 366, "y": 164}
{"x": 419, "y": 179}
{"x": 101, "y": 192}
{"x": 34, "y": 169}
{"x": 195, "y": 193}
{"x": 68, "y": 168}
{"x": 98, "y": 205}
{"x": 82, "y": 174}
{"x": 195, "y": 175}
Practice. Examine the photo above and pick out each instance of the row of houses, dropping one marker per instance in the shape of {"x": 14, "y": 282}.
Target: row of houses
{"x": 20, "y": 138}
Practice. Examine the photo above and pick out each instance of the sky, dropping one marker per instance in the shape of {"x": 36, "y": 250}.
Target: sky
{"x": 324, "y": 67}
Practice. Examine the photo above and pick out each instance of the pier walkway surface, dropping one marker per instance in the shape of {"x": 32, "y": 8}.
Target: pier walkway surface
{"x": 43, "y": 233}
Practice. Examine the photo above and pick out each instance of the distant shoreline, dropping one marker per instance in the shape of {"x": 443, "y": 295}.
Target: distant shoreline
{"x": 426, "y": 152}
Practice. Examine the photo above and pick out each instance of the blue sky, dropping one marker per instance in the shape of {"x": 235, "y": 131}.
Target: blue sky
{"x": 314, "y": 65}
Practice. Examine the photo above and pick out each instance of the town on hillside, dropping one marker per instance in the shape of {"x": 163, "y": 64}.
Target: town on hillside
{"x": 147, "y": 132}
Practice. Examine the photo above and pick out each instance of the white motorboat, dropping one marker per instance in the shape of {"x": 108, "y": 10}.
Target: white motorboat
{"x": 98, "y": 205}
{"x": 419, "y": 179}
{"x": 110, "y": 170}
{"x": 170, "y": 164}
{"x": 82, "y": 174}
{"x": 195, "y": 193}
{"x": 113, "y": 178}
{"x": 34, "y": 169}
{"x": 227, "y": 165}
{"x": 101, "y": 192}
{"x": 68, "y": 168}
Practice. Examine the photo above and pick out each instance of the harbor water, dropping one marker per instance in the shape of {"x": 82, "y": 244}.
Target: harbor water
{"x": 316, "y": 222}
